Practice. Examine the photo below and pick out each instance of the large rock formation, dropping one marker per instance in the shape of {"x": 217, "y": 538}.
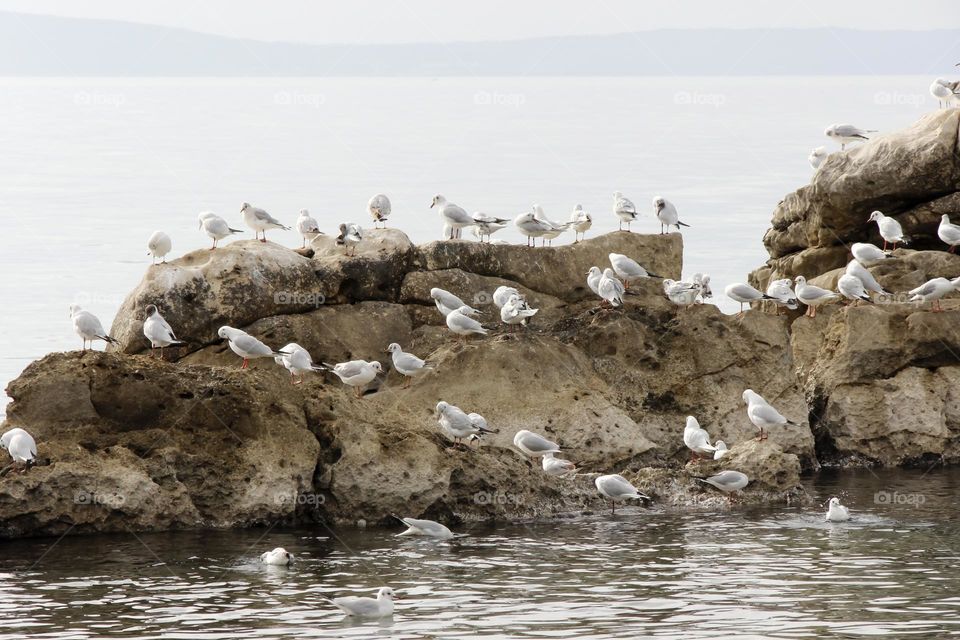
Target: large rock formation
{"x": 148, "y": 443}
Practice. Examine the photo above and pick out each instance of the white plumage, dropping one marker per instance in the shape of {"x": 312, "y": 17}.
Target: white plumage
{"x": 159, "y": 246}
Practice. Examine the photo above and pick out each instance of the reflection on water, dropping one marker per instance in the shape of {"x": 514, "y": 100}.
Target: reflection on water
{"x": 745, "y": 572}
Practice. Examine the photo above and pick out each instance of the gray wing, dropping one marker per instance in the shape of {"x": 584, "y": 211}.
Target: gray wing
{"x": 925, "y": 289}
{"x": 251, "y": 345}
{"x": 408, "y": 361}
{"x": 350, "y": 369}
{"x": 538, "y": 443}
{"x": 768, "y": 414}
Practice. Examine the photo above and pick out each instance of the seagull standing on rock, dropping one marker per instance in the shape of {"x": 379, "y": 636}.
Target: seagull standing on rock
{"x": 159, "y": 246}
{"x": 851, "y": 287}
{"x": 817, "y": 157}
{"x": 307, "y": 226}
{"x": 782, "y": 293}
{"x": 88, "y": 327}
{"x": 379, "y": 209}
{"x": 854, "y": 268}
{"x": 628, "y": 269}
{"x": 20, "y": 445}
{"x": 593, "y": 279}
{"x": 667, "y": 215}
{"x": 727, "y": 481}
{"x": 460, "y": 322}
{"x": 581, "y": 221}
{"x": 350, "y": 236}
{"x": 555, "y": 229}
{"x": 681, "y": 293}
{"x": 813, "y": 296}
{"x": 624, "y": 209}
{"x": 866, "y": 253}
{"x": 356, "y": 373}
{"x": 259, "y": 220}
{"x": 215, "y": 227}
{"x": 949, "y": 232}
{"x": 616, "y": 488}
{"x": 534, "y": 445}
{"x": 890, "y": 230}
{"x": 516, "y": 311}
{"x": 557, "y": 467}
{"x": 611, "y": 289}
{"x": 528, "y": 225}
{"x": 487, "y": 225}
{"x": 457, "y": 424}
{"x": 447, "y": 302}
{"x": 847, "y": 133}
{"x": 933, "y": 290}
{"x": 453, "y": 216}
{"x": 744, "y": 294}
{"x": 158, "y": 331}
{"x": 407, "y": 364}
{"x": 297, "y": 362}
{"x": 762, "y": 414}
{"x": 697, "y": 440}
{"x": 246, "y": 346}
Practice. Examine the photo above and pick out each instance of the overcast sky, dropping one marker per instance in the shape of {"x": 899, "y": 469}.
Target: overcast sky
{"x": 367, "y": 21}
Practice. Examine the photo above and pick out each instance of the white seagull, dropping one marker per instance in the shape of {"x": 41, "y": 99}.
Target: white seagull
{"x": 486, "y": 225}
{"x": 528, "y": 225}
{"x": 667, "y": 214}
{"x": 447, "y": 302}
{"x": 944, "y": 91}
{"x": 534, "y": 445}
{"x": 836, "y": 512}
{"x": 379, "y": 607}
{"x": 556, "y": 466}
{"x": 851, "y": 287}
{"x": 727, "y": 481}
{"x": 379, "y": 209}
{"x": 460, "y": 322}
{"x": 616, "y": 488}
{"x": 611, "y": 289}
{"x": 762, "y": 414}
{"x": 458, "y": 425}
{"x": 744, "y": 294}
{"x": 215, "y": 227}
{"x": 501, "y": 295}
{"x": 681, "y": 293}
{"x": 556, "y": 228}
{"x": 278, "y": 557}
{"x": 581, "y": 221}
{"x": 949, "y": 232}
{"x": 697, "y": 440}
{"x": 406, "y": 364}
{"x": 721, "y": 449}
{"x": 297, "y": 361}
{"x": 624, "y": 209}
{"x": 866, "y": 253}
{"x": 782, "y": 292}
{"x": 246, "y": 346}
{"x": 157, "y": 330}
{"x": 516, "y": 311}
{"x": 307, "y": 226}
{"x": 453, "y": 216}
{"x": 350, "y": 236}
{"x": 933, "y": 290}
{"x": 870, "y": 283}
{"x": 817, "y": 156}
{"x": 890, "y": 230}
{"x": 593, "y": 279}
{"x": 628, "y": 269}
{"x": 159, "y": 246}
{"x": 356, "y": 373}
{"x": 259, "y": 220}
{"x": 88, "y": 327}
{"x": 813, "y": 296}
{"x": 846, "y": 133}
{"x": 20, "y": 445}
{"x": 427, "y": 528}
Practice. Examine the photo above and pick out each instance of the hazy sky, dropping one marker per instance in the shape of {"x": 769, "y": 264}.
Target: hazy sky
{"x": 451, "y": 20}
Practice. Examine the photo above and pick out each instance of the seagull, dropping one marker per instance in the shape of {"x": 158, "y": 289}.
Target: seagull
{"x": 297, "y": 361}
{"x": 486, "y": 225}
{"x": 593, "y": 279}
{"x": 628, "y": 269}
{"x": 581, "y": 221}
{"x": 447, "y": 302}
{"x": 501, "y": 295}
{"x": 727, "y": 481}
{"x": 406, "y": 364}
{"x": 530, "y": 226}
{"x": 259, "y": 220}
{"x": 782, "y": 292}
{"x": 611, "y": 289}
{"x": 379, "y": 607}
{"x": 427, "y": 528}
{"x": 534, "y": 445}
{"x": 215, "y": 227}
{"x": 158, "y": 331}
{"x": 890, "y": 230}
{"x": 516, "y": 311}
{"x": 702, "y": 282}
{"x": 556, "y": 228}
{"x": 624, "y": 209}
{"x": 870, "y": 283}
{"x": 721, "y": 449}
{"x": 277, "y": 557}
{"x": 457, "y": 424}
{"x": 379, "y": 209}
{"x": 813, "y": 296}
{"x": 453, "y": 216}
{"x": 744, "y": 294}
{"x": 817, "y": 156}
{"x": 667, "y": 214}
{"x": 159, "y": 246}
{"x": 246, "y": 346}
{"x": 933, "y": 290}
{"x": 852, "y": 287}
{"x": 557, "y": 467}
{"x": 762, "y": 414}
{"x": 350, "y": 236}
{"x": 88, "y": 327}
{"x": 944, "y": 91}
{"x": 616, "y": 489}
{"x": 697, "y": 440}
{"x": 356, "y": 373}
{"x": 460, "y": 322}
{"x": 847, "y": 133}
{"x": 681, "y": 293}
{"x": 20, "y": 445}
{"x": 948, "y": 232}
{"x": 866, "y": 253}
{"x": 836, "y": 512}
{"x": 307, "y": 226}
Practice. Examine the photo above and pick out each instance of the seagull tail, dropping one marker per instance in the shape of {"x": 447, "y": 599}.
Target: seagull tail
{"x": 232, "y": 230}
{"x": 318, "y": 367}
{"x": 766, "y": 297}
{"x": 682, "y": 224}
{"x": 109, "y": 339}
{"x": 653, "y": 275}
{"x": 281, "y": 353}
{"x": 866, "y": 298}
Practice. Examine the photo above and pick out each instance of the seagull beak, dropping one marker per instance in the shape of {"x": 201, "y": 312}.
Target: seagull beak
{"x": 431, "y": 204}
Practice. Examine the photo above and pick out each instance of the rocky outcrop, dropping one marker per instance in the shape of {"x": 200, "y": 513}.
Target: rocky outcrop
{"x": 199, "y": 442}
{"x": 878, "y": 378}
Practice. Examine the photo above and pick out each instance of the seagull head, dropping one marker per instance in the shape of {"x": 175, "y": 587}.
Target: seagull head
{"x": 393, "y": 347}
{"x": 749, "y": 395}
{"x": 75, "y": 309}
{"x": 150, "y": 309}
{"x": 834, "y": 502}
{"x": 800, "y": 280}
{"x": 692, "y": 423}
{"x": 304, "y": 213}
{"x": 617, "y": 195}
{"x": 438, "y": 200}
{"x": 594, "y": 271}
{"x": 244, "y": 207}
{"x": 608, "y": 273}
{"x": 441, "y": 408}
{"x": 658, "y": 203}
{"x": 386, "y": 593}
{"x": 376, "y": 366}
{"x": 875, "y": 216}
{"x": 225, "y": 332}
{"x": 831, "y": 131}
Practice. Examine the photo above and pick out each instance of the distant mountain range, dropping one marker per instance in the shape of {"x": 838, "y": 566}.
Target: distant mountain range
{"x": 35, "y": 45}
